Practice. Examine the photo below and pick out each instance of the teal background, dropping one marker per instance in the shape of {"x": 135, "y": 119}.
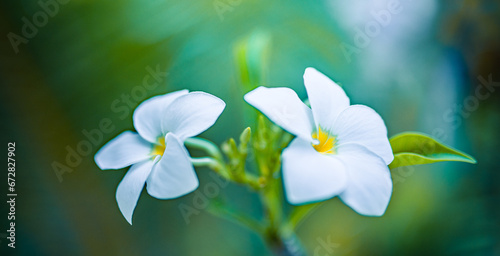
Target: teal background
{"x": 420, "y": 72}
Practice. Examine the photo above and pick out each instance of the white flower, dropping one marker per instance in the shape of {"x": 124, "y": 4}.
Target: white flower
{"x": 339, "y": 150}
{"x": 157, "y": 152}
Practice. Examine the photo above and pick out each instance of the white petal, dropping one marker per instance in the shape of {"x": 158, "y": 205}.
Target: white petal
{"x": 130, "y": 188}
{"x": 191, "y": 114}
{"x": 326, "y": 97}
{"x": 362, "y": 125}
{"x": 283, "y": 107}
{"x": 147, "y": 116}
{"x": 369, "y": 185}
{"x": 126, "y": 149}
{"x": 174, "y": 174}
{"x": 310, "y": 176}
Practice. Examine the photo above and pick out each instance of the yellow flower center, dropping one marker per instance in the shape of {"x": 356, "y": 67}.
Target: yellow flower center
{"x": 325, "y": 142}
{"x": 159, "y": 148}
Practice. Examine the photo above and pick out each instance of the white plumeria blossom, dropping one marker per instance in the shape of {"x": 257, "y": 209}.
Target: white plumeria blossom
{"x": 340, "y": 149}
{"x": 157, "y": 152}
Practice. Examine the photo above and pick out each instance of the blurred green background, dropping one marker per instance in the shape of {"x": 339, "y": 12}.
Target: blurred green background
{"x": 423, "y": 68}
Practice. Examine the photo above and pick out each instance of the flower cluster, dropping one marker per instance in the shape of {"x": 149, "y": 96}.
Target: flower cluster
{"x": 339, "y": 150}
{"x": 156, "y": 152}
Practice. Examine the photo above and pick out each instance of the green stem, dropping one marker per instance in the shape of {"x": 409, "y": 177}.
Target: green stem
{"x": 213, "y": 164}
{"x": 286, "y": 246}
{"x": 271, "y": 200}
{"x": 206, "y": 145}
{"x": 221, "y": 168}
{"x": 204, "y": 161}
{"x": 281, "y": 241}
{"x": 298, "y": 214}
{"x": 279, "y": 237}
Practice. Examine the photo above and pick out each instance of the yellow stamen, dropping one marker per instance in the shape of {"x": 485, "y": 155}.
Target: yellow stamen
{"x": 326, "y": 142}
{"x": 159, "y": 147}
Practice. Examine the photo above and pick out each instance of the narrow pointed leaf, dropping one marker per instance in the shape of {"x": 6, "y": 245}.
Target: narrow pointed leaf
{"x": 413, "y": 148}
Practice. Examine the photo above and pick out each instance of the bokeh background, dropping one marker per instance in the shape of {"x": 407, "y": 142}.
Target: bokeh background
{"x": 427, "y": 67}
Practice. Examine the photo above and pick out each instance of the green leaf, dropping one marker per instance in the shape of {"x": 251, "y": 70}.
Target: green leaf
{"x": 413, "y": 148}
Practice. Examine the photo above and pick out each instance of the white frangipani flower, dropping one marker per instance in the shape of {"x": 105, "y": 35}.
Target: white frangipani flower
{"x": 339, "y": 150}
{"x": 157, "y": 152}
